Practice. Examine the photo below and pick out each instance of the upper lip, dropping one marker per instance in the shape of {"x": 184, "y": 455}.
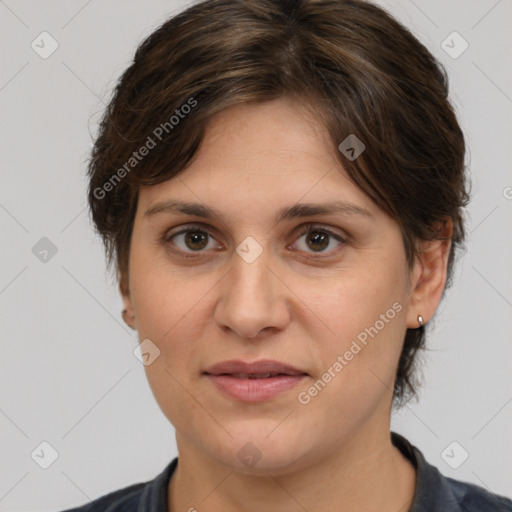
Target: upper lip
{"x": 262, "y": 366}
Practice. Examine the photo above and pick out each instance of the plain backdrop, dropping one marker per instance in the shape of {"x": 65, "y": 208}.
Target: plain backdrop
{"x": 68, "y": 373}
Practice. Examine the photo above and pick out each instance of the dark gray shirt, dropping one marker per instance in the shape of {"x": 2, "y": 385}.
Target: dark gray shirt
{"x": 434, "y": 492}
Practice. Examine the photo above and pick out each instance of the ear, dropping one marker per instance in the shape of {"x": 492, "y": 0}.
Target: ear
{"x": 428, "y": 278}
{"x": 129, "y": 316}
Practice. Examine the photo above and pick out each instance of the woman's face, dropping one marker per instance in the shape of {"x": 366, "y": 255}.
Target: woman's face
{"x": 249, "y": 283}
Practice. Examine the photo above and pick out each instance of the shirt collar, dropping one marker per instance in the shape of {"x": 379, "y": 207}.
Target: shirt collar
{"x": 433, "y": 491}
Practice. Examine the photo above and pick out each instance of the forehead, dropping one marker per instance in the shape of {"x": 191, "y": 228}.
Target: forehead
{"x": 280, "y": 129}
{"x": 261, "y": 155}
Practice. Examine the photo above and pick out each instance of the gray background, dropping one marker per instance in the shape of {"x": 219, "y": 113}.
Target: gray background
{"x": 68, "y": 373}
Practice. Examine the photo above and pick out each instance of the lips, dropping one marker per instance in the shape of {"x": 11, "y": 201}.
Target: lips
{"x": 254, "y": 382}
{"x": 264, "y": 368}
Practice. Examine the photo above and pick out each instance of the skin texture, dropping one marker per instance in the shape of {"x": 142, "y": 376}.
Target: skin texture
{"x": 286, "y": 305}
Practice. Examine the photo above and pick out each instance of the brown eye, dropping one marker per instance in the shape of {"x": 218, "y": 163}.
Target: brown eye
{"x": 190, "y": 240}
{"x": 196, "y": 240}
{"x": 316, "y": 239}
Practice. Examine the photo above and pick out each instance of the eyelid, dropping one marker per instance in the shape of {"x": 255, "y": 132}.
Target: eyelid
{"x": 168, "y": 234}
{"x": 314, "y": 226}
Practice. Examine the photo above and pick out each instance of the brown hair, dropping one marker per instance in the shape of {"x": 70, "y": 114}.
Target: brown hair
{"x": 349, "y": 62}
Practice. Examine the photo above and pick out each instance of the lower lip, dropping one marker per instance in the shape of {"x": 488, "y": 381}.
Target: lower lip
{"x": 255, "y": 390}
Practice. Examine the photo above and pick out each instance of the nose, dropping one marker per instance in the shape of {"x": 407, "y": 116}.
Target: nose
{"x": 253, "y": 300}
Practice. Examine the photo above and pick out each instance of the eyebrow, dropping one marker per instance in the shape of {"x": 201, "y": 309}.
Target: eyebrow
{"x": 287, "y": 213}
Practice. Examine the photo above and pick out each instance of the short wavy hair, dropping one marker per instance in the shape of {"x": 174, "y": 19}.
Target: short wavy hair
{"x": 357, "y": 69}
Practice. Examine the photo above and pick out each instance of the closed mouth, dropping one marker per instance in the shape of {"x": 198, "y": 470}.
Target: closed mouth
{"x": 254, "y": 375}
{"x": 262, "y": 369}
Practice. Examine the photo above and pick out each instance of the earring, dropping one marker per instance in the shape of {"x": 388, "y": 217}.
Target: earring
{"x": 125, "y": 314}
{"x": 420, "y": 320}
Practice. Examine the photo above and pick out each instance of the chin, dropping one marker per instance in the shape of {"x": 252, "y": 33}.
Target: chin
{"x": 253, "y": 451}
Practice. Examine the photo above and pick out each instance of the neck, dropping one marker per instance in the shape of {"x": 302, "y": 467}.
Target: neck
{"x": 366, "y": 473}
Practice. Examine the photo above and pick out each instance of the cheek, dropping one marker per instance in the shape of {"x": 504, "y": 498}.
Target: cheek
{"x": 365, "y": 316}
{"x": 354, "y": 300}
{"x": 164, "y": 298}
{"x": 173, "y": 311}
{"x": 171, "y": 314}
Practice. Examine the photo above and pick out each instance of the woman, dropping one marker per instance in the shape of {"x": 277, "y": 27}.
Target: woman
{"x": 280, "y": 187}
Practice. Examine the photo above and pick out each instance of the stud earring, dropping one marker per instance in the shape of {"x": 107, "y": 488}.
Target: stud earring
{"x": 420, "y": 320}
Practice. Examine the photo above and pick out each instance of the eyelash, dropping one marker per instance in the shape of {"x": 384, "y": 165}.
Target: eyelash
{"x": 168, "y": 236}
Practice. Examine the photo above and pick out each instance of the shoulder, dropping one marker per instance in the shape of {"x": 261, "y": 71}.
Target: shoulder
{"x": 140, "y": 497}
{"x": 122, "y": 500}
{"x": 436, "y": 492}
{"x": 473, "y": 498}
